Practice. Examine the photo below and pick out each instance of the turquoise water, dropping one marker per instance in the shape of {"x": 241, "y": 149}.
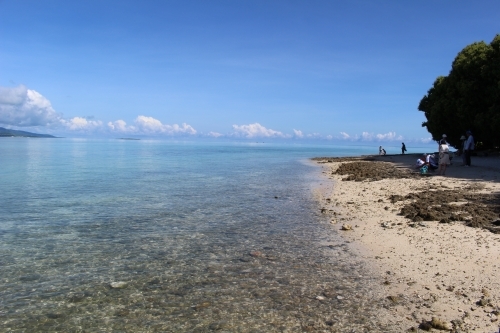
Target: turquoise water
{"x": 202, "y": 237}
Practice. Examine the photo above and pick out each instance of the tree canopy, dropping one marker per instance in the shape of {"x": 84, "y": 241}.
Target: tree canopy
{"x": 468, "y": 98}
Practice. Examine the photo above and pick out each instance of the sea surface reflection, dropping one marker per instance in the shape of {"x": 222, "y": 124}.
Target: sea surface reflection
{"x": 145, "y": 236}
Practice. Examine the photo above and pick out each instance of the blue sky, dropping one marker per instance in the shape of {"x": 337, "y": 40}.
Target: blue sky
{"x": 329, "y": 70}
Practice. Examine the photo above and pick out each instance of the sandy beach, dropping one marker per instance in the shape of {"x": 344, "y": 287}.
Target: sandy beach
{"x": 433, "y": 241}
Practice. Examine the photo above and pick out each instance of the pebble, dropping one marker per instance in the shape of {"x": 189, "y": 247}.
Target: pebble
{"x": 256, "y": 254}
{"x": 202, "y": 306}
{"x": 483, "y": 302}
{"x": 118, "y": 285}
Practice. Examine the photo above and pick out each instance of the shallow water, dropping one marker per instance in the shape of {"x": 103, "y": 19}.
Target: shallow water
{"x": 204, "y": 237}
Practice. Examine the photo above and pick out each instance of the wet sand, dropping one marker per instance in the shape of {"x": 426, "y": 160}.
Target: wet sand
{"x": 433, "y": 242}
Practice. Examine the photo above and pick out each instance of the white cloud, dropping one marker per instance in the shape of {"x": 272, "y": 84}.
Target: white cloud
{"x": 119, "y": 126}
{"x": 345, "y": 135}
{"x": 298, "y": 133}
{"x": 82, "y": 124}
{"x": 23, "y": 107}
{"x": 257, "y": 130}
{"x": 13, "y": 96}
{"x": 314, "y": 136}
{"x": 20, "y": 106}
{"x": 391, "y": 136}
{"x": 367, "y": 136}
{"x": 215, "y": 134}
{"x": 148, "y": 126}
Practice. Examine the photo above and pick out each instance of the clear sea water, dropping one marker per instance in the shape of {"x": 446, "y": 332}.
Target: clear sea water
{"x": 198, "y": 237}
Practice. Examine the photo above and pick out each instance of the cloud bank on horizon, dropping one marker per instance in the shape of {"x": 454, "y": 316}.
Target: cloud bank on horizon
{"x": 23, "y": 107}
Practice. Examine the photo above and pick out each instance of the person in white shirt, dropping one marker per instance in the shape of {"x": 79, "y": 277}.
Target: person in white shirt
{"x": 444, "y": 156}
{"x": 426, "y": 160}
{"x": 443, "y": 137}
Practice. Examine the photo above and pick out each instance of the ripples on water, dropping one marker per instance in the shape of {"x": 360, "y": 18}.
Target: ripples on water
{"x": 195, "y": 232}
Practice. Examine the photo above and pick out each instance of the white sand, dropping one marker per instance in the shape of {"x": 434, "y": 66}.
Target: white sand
{"x": 432, "y": 270}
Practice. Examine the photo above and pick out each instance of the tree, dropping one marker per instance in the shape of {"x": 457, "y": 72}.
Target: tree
{"x": 468, "y": 98}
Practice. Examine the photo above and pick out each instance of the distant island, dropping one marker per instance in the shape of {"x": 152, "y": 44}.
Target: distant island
{"x": 5, "y": 132}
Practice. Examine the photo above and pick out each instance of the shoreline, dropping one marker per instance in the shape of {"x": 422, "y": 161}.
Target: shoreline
{"x": 447, "y": 271}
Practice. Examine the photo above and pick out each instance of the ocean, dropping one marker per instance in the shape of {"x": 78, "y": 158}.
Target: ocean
{"x": 161, "y": 236}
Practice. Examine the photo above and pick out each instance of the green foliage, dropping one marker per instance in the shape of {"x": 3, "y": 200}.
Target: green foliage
{"x": 468, "y": 98}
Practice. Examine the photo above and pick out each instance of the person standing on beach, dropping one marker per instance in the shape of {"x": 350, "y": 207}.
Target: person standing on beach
{"x": 443, "y": 138}
{"x": 462, "y": 148}
{"x": 444, "y": 156}
{"x": 380, "y": 150}
{"x": 468, "y": 147}
{"x": 403, "y": 148}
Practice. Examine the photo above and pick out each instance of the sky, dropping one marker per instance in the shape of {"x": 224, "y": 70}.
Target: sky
{"x": 340, "y": 71}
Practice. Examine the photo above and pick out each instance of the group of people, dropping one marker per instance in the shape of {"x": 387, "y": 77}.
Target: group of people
{"x": 428, "y": 162}
{"x": 381, "y": 151}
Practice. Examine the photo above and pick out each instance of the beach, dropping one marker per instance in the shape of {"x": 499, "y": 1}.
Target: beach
{"x": 432, "y": 241}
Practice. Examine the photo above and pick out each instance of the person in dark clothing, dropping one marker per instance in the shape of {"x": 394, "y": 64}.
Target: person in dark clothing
{"x": 468, "y": 147}
{"x": 462, "y": 150}
{"x": 403, "y": 148}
